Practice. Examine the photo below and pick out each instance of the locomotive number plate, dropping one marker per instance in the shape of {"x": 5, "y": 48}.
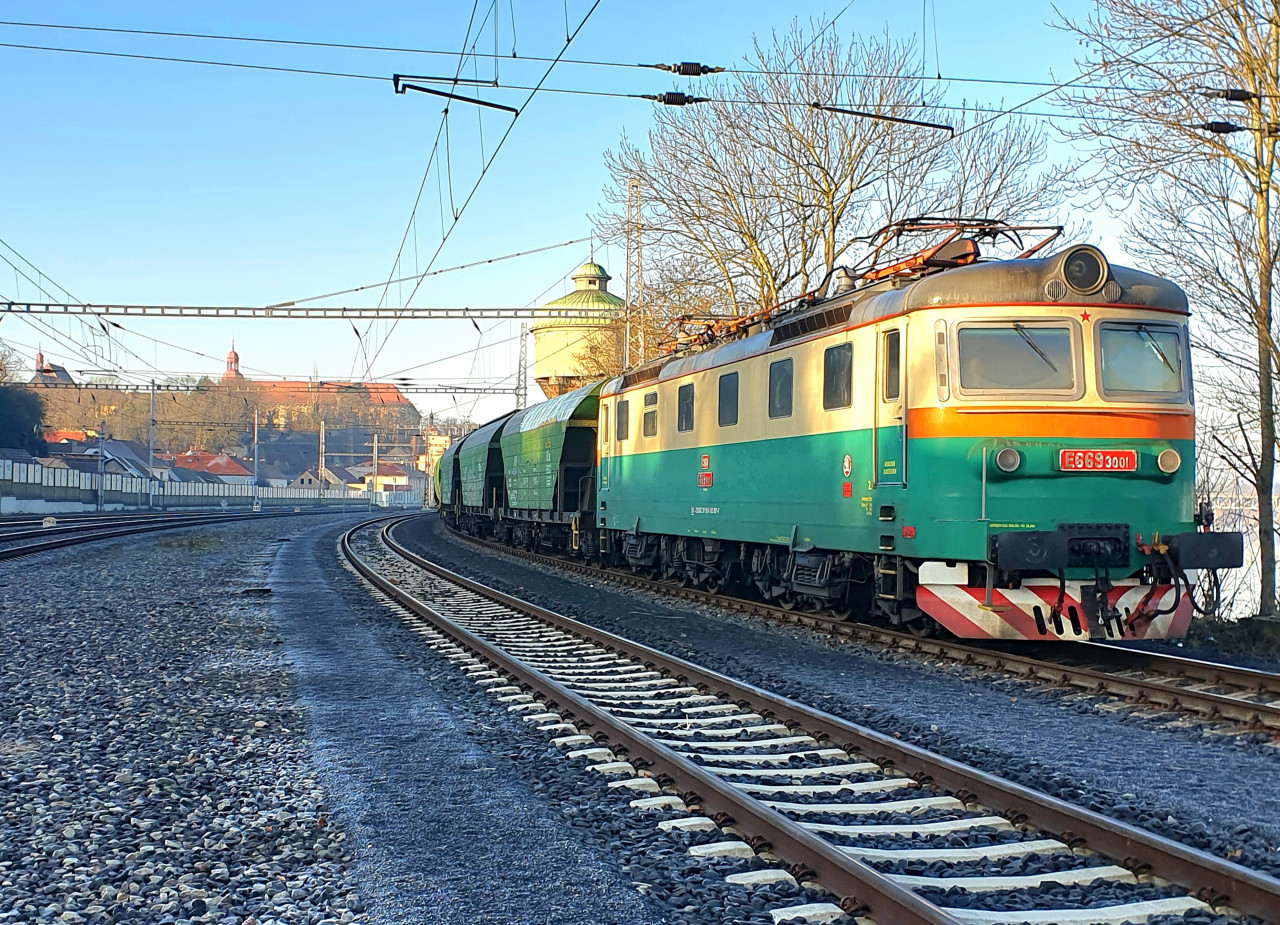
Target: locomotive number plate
{"x": 1098, "y": 460}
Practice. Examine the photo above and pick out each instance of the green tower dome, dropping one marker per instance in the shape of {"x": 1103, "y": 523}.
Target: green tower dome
{"x": 590, "y": 290}
{"x": 558, "y": 341}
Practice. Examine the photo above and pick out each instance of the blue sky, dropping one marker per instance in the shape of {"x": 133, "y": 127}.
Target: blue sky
{"x": 147, "y": 182}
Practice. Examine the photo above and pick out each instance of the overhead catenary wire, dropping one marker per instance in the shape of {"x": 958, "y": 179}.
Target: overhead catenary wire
{"x": 65, "y": 340}
{"x": 483, "y": 172}
{"x": 996, "y": 114}
{"x": 494, "y": 55}
{"x": 68, "y": 340}
{"x": 613, "y": 94}
{"x": 405, "y": 279}
{"x": 441, "y": 131}
{"x": 80, "y": 348}
{"x": 1056, "y": 88}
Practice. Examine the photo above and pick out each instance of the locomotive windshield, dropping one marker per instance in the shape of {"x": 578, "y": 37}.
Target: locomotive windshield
{"x": 1016, "y": 357}
{"x": 1140, "y": 358}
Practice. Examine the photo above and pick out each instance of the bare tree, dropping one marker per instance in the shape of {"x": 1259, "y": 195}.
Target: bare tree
{"x": 1195, "y": 188}
{"x": 670, "y": 294}
{"x": 9, "y": 365}
{"x": 1225, "y": 472}
{"x": 761, "y": 194}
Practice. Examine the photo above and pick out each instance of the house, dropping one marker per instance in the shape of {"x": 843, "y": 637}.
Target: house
{"x": 16, "y": 456}
{"x": 128, "y": 457}
{"x": 284, "y": 400}
{"x": 269, "y": 476}
{"x": 226, "y": 468}
{"x": 436, "y": 445}
{"x": 84, "y": 463}
{"x": 50, "y": 374}
{"x": 132, "y": 455}
{"x": 335, "y": 478}
{"x": 390, "y": 477}
{"x": 190, "y": 476}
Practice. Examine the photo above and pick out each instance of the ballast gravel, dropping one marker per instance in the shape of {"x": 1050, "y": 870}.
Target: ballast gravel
{"x": 562, "y": 846}
{"x": 153, "y": 763}
{"x": 1043, "y": 897}
{"x": 1212, "y": 793}
{"x": 443, "y": 828}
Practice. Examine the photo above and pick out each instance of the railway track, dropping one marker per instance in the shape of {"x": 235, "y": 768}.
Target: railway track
{"x": 1246, "y": 699}
{"x": 28, "y": 539}
{"x": 894, "y": 832}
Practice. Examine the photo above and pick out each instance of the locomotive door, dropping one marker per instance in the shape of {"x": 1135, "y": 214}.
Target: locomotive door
{"x": 890, "y": 417}
{"x": 606, "y": 437}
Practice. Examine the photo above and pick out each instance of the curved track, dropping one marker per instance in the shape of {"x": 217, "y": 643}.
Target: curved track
{"x": 897, "y": 832}
{"x": 1208, "y": 691}
{"x": 31, "y": 538}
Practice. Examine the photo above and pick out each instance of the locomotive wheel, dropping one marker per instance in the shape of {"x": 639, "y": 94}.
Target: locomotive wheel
{"x": 922, "y": 626}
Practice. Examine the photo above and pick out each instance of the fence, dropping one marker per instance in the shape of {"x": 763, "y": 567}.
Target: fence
{"x": 29, "y": 488}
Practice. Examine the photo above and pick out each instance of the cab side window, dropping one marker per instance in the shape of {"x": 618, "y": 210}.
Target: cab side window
{"x": 684, "y": 408}
{"x": 624, "y": 420}
{"x": 780, "y": 389}
{"x": 837, "y": 377}
{"x": 892, "y": 365}
{"x": 728, "y": 411}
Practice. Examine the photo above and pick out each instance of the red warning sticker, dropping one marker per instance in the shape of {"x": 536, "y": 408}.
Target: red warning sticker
{"x": 847, "y": 489}
{"x": 704, "y": 479}
{"x": 706, "y": 461}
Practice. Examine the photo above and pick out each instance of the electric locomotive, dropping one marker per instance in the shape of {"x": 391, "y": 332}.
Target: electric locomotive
{"x": 1003, "y": 448}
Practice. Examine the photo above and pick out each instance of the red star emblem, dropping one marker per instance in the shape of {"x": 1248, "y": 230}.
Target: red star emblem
{"x": 1084, "y": 316}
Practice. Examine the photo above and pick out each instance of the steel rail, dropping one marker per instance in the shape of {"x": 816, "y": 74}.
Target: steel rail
{"x": 1147, "y": 692}
{"x": 1210, "y": 878}
{"x": 1181, "y": 666}
{"x": 26, "y": 529}
{"x": 29, "y": 549}
{"x": 856, "y": 884}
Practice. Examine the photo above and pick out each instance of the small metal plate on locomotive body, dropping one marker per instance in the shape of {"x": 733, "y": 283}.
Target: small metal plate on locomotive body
{"x": 1098, "y": 460}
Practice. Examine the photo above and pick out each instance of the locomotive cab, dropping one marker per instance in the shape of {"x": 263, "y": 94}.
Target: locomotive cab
{"x": 1066, "y": 427}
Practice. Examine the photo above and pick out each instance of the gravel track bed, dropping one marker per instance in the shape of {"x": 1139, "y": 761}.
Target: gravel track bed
{"x": 1215, "y": 793}
{"x": 1005, "y": 867}
{"x": 1209, "y": 653}
{"x": 570, "y": 848}
{"x": 1051, "y": 896}
{"x": 153, "y": 763}
{"x": 965, "y": 839}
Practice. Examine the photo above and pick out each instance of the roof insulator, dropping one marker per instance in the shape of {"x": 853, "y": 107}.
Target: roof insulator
{"x": 674, "y": 98}
{"x": 1231, "y": 94}
{"x": 688, "y": 69}
{"x": 1220, "y": 128}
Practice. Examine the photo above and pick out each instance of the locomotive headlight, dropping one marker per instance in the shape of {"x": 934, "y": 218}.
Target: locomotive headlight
{"x": 1169, "y": 461}
{"x": 1085, "y": 270}
{"x": 1008, "y": 459}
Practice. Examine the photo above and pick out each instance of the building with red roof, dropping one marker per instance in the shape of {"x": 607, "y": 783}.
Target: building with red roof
{"x": 225, "y": 467}
{"x": 283, "y": 400}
